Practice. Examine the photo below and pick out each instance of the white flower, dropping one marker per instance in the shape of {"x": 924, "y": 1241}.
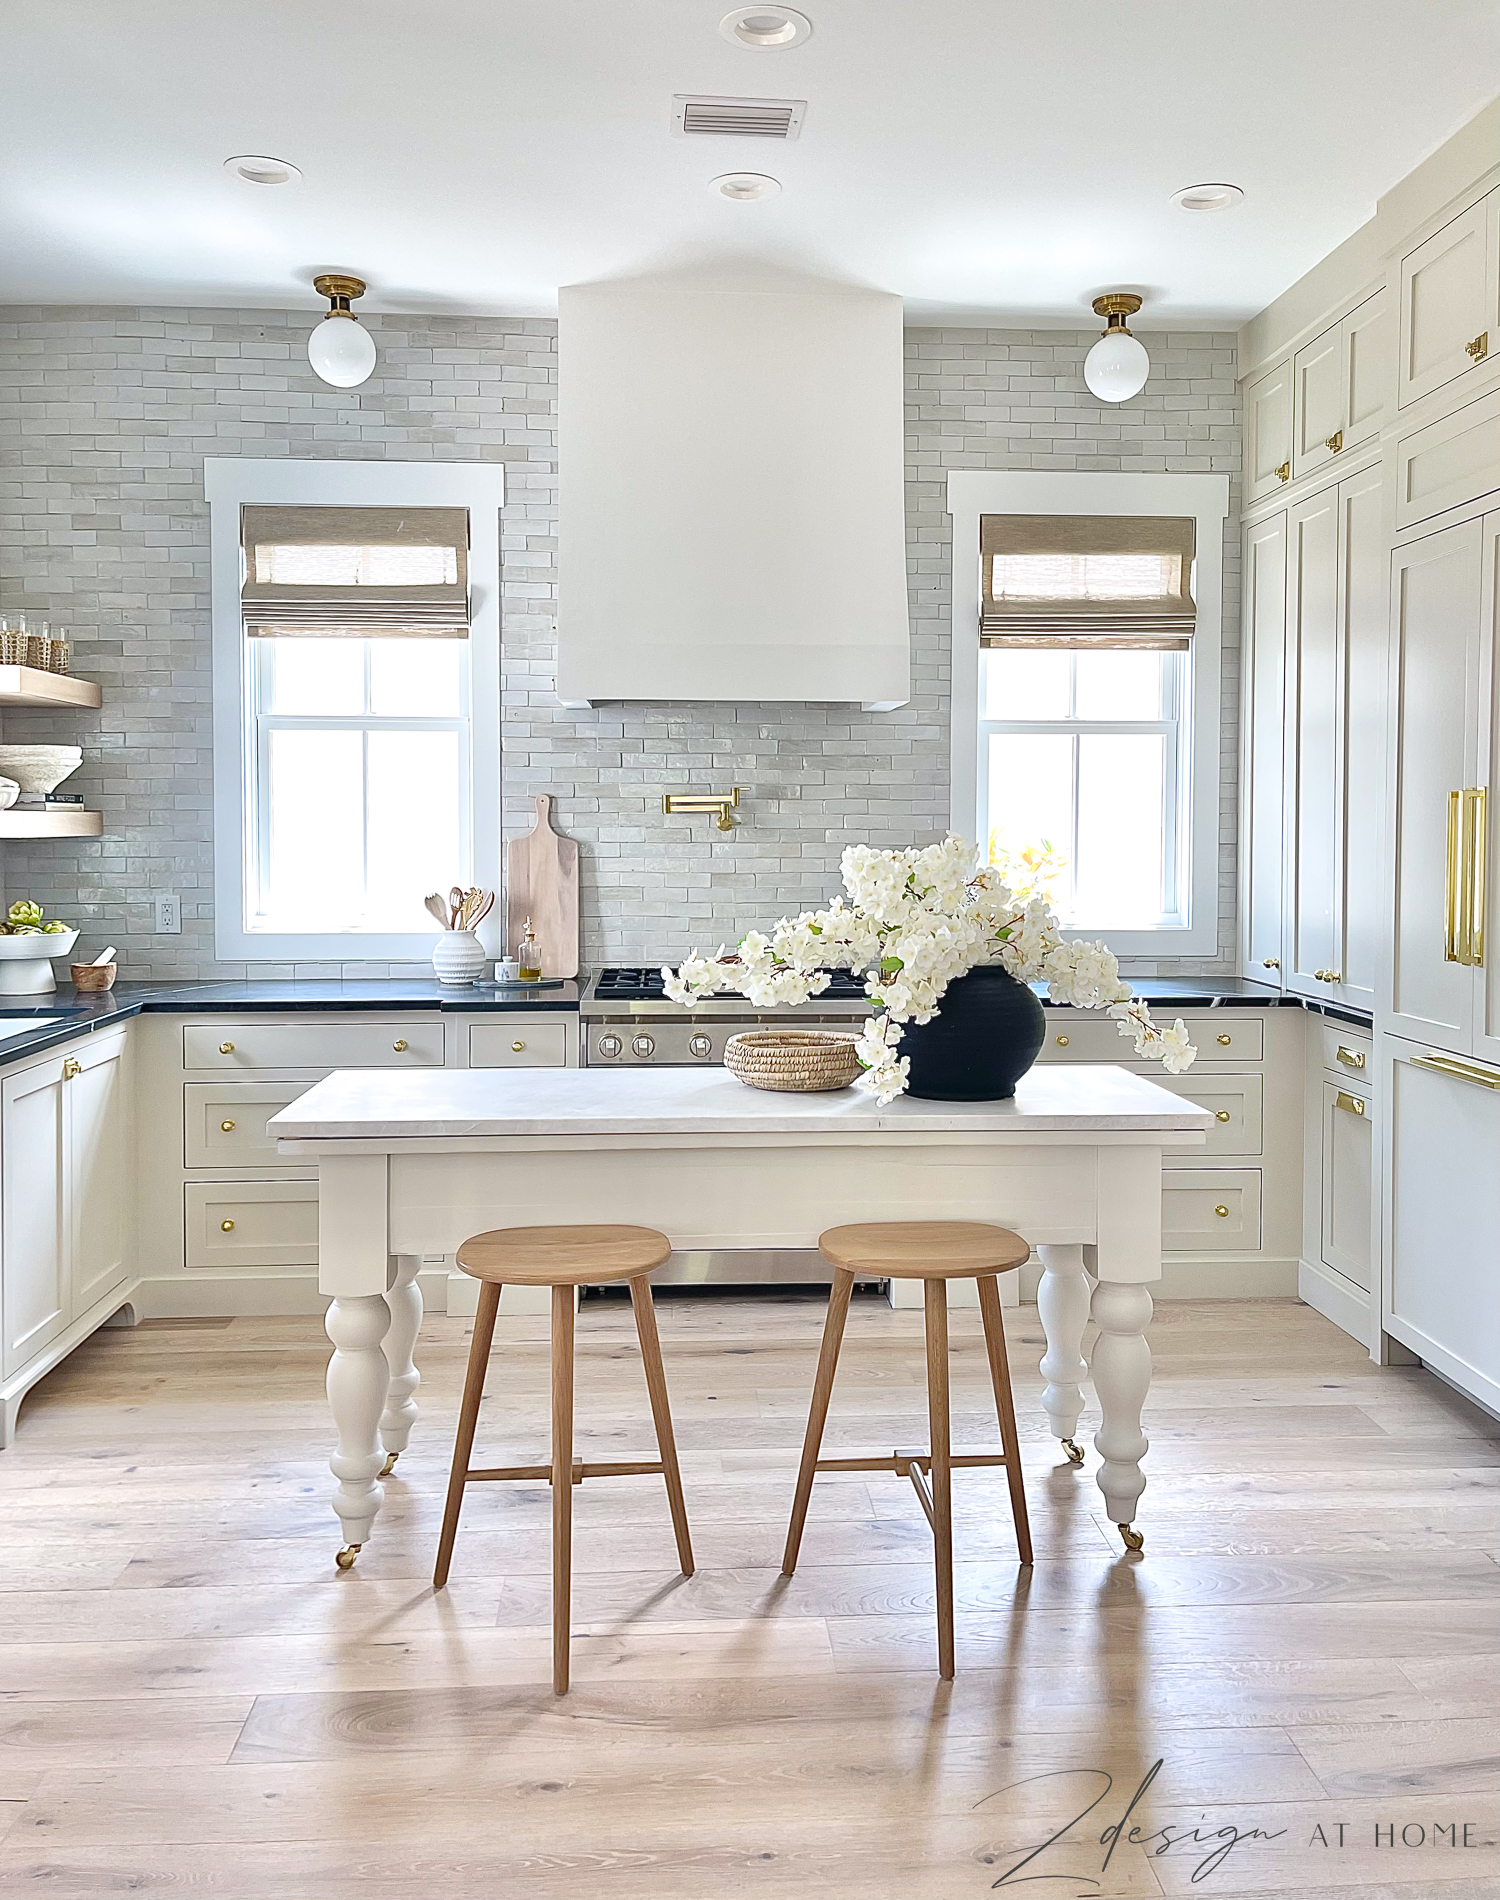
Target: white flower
{"x": 1177, "y": 1052}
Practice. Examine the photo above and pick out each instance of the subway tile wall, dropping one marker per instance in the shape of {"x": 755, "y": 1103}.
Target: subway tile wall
{"x": 106, "y": 416}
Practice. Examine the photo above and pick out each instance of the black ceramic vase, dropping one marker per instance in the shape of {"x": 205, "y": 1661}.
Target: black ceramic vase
{"x": 983, "y": 1039}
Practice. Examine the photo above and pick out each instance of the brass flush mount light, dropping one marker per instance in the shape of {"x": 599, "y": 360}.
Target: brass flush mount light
{"x": 1116, "y": 368}
{"x": 720, "y": 803}
{"x": 339, "y": 349}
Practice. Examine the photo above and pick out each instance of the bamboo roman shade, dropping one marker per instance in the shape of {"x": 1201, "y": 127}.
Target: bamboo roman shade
{"x": 1087, "y": 580}
{"x": 357, "y": 572}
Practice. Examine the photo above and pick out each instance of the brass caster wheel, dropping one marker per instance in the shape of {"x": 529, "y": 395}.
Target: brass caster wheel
{"x": 1075, "y": 1452}
{"x": 1133, "y": 1538}
{"x": 345, "y": 1558}
{"x": 390, "y": 1464}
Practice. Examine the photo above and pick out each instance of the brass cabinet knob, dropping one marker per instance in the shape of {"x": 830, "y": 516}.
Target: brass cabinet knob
{"x": 1270, "y": 963}
{"x": 1479, "y": 349}
{"x": 399, "y": 1045}
{"x": 226, "y": 1048}
{"x": 1222, "y": 1211}
{"x": 1062, "y": 1042}
{"x": 1334, "y": 441}
{"x": 226, "y": 1226}
{"x": 228, "y": 1127}
{"x": 518, "y": 1045}
{"x": 1225, "y": 1039}
{"x": 1222, "y": 1114}
{"x": 1284, "y": 473}
{"x": 71, "y": 1068}
{"x": 1329, "y": 976}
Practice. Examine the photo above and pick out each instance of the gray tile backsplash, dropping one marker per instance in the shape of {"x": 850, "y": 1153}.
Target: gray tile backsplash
{"x": 106, "y": 416}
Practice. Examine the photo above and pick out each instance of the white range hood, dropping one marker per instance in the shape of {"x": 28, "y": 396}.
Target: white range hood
{"x": 731, "y": 509}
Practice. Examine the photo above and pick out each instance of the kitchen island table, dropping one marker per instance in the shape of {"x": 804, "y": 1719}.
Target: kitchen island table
{"x": 413, "y": 1162}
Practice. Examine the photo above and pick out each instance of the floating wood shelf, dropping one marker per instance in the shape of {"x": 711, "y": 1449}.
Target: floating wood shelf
{"x": 29, "y": 822}
{"x": 30, "y": 686}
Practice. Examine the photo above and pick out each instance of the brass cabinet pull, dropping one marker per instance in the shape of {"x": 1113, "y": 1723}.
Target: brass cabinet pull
{"x": 1464, "y": 882}
{"x": 1270, "y": 963}
{"x": 1284, "y": 472}
{"x": 1062, "y": 1042}
{"x": 228, "y": 1127}
{"x": 1479, "y": 348}
{"x": 1222, "y": 1114}
{"x": 71, "y": 1068}
{"x": 1353, "y": 1103}
{"x": 1460, "y": 1071}
{"x": 1225, "y": 1039}
{"x": 399, "y": 1045}
{"x": 226, "y": 1226}
{"x": 1354, "y": 1057}
{"x": 1476, "y": 801}
{"x": 1334, "y": 441}
{"x": 1452, "y": 949}
{"x": 1222, "y": 1211}
{"x": 226, "y": 1048}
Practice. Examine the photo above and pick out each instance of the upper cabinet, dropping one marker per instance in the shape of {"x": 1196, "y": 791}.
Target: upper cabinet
{"x": 1268, "y": 431}
{"x": 1336, "y": 387}
{"x": 1450, "y": 301}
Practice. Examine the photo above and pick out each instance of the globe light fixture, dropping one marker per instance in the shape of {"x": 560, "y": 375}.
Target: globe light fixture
{"x": 339, "y": 350}
{"x": 1116, "y": 368}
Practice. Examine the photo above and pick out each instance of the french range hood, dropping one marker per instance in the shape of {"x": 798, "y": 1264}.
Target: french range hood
{"x": 731, "y": 510}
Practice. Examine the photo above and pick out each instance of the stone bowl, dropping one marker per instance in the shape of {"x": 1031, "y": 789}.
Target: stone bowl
{"x": 39, "y": 768}
{"x": 93, "y": 976}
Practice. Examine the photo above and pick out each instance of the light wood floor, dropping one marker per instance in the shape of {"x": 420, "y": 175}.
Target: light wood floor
{"x": 192, "y": 1700}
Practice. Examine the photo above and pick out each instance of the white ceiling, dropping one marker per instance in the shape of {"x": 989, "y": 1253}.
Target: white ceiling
{"x": 985, "y": 158}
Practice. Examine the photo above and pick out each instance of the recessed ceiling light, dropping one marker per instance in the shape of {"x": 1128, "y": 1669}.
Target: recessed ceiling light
{"x": 262, "y": 171}
{"x": 1207, "y": 197}
{"x": 745, "y": 186}
{"x": 770, "y": 29}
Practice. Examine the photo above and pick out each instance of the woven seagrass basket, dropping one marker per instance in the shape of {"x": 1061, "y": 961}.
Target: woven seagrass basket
{"x": 799, "y": 1061}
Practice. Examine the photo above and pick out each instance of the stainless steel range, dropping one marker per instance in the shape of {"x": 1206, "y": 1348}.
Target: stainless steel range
{"x": 629, "y": 1023}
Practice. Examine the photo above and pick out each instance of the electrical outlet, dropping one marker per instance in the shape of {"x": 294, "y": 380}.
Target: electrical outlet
{"x": 169, "y": 916}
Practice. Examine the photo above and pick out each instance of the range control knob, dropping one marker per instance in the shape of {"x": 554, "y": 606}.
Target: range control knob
{"x": 609, "y": 1045}
{"x": 643, "y": 1045}
{"x": 700, "y": 1045}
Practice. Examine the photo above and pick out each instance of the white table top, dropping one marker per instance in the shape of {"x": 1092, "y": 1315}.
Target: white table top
{"x": 380, "y": 1104}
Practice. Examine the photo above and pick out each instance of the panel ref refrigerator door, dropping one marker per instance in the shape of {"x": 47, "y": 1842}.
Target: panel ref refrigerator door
{"x": 1436, "y": 586}
{"x": 1364, "y": 635}
{"x": 1314, "y": 812}
{"x": 1260, "y": 810}
{"x": 1483, "y": 826}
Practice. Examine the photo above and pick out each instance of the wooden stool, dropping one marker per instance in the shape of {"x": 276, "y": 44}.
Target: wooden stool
{"x": 563, "y": 1258}
{"x": 935, "y": 1252}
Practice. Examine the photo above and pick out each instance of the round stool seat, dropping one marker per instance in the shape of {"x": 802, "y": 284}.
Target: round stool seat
{"x": 562, "y": 1256}
{"x": 923, "y": 1249}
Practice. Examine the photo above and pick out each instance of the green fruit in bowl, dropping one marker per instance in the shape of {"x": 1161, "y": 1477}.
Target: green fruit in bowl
{"x": 23, "y": 911}
{"x": 57, "y": 928}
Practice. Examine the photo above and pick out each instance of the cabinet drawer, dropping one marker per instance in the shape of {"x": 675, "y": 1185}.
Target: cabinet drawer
{"x": 224, "y": 1123}
{"x": 1348, "y": 1053}
{"x": 1237, "y": 1103}
{"x": 1348, "y": 1158}
{"x": 251, "y": 1223}
{"x": 1210, "y": 1212}
{"x": 1451, "y": 461}
{"x": 248, "y": 1042}
{"x": 517, "y": 1044}
{"x": 1081, "y": 1036}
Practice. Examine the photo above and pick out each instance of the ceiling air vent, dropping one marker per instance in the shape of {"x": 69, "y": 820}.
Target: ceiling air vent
{"x": 737, "y": 118}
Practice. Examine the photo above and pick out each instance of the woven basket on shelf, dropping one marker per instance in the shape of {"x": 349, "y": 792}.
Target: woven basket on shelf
{"x": 800, "y": 1061}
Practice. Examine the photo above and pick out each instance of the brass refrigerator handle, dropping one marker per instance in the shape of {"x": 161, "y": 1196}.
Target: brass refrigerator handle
{"x": 1476, "y": 803}
{"x": 1452, "y": 950}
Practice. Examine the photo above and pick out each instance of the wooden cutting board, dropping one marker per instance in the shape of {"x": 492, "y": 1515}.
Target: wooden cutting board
{"x": 541, "y": 882}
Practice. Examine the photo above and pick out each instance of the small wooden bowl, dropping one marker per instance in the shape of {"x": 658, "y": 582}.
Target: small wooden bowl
{"x": 798, "y": 1061}
{"x": 94, "y": 976}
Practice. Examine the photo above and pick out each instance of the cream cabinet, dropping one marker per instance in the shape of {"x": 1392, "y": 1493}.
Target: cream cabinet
{"x": 1441, "y": 1213}
{"x": 1450, "y": 301}
{"x": 1338, "y": 385}
{"x": 1447, "y": 463}
{"x": 1267, "y": 423}
{"x": 1334, "y": 742}
{"x": 1445, "y": 755}
{"x": 1346, "y": 1180}
{"x": 65, "y": 1205}
{"x": 1262, "y": 712}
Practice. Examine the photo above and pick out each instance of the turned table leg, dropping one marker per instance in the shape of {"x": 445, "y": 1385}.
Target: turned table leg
{"x": 1062, "y": 1303}
{"x": 1122, "y": 1378}
{"x": 404, "y": 1298}
{"x": 357, "y": 1380}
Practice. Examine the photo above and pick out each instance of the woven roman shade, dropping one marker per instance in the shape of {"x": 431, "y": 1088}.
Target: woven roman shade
{"x": 356, "y": 572}
{"x": 1087, "y": 580}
